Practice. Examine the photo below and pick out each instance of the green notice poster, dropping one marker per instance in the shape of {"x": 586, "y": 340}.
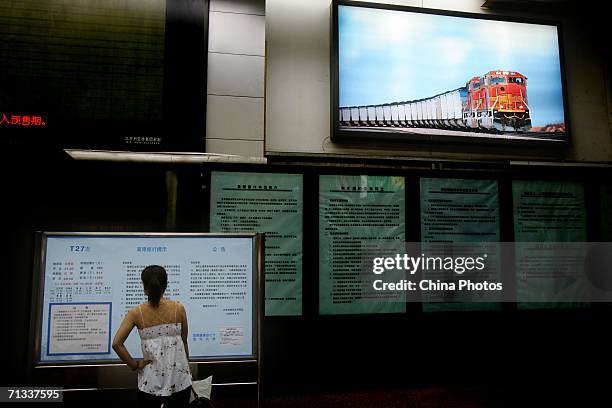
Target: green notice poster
{"x": 459, "y": 210}
{"x": 548, "y": 212}
{"x": 357, "y": 213}
{"x": 273, "y": 204}
{"x": 462, "y": 211}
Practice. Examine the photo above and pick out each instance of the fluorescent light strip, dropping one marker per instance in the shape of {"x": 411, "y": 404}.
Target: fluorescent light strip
{"x": 161, "y": 157}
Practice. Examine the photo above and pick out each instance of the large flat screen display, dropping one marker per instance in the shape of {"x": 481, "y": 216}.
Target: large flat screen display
{"x": 417, "y": 74}
{"x": 89, "y": 282}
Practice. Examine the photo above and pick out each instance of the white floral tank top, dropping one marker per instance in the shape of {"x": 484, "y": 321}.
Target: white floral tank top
{"x": 169, "y": 369}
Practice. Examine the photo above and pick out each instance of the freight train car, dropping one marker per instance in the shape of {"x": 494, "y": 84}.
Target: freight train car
{"x": 497, "y": 101}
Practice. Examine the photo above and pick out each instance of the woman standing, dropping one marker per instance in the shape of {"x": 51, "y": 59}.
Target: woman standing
{"x": 163, "y": 373}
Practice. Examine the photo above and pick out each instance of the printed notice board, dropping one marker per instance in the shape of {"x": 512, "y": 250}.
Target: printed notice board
{"x": 462, "y": 210}
{"x": 272, "y": 204}
{"x": 88, "y": 282}
{"x": 547, "y": 213}
{"x": 358, "y": 215}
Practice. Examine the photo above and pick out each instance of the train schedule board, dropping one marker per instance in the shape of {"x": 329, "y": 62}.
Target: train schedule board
{"x": 414, "y": 74}
{"x": 88, "y": 282}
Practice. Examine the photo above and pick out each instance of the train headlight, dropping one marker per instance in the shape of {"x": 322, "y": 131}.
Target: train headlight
{"x": 522, "y": 106}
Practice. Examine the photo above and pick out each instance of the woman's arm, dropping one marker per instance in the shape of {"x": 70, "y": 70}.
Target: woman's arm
{"x": 122, "y": 333}
{"x": 184, "y": 329}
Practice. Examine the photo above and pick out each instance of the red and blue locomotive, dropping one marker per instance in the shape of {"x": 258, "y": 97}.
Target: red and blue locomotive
{"x": 497, "y": 101}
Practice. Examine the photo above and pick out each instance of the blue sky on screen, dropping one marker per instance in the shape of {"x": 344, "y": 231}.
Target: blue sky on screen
{"x": 391, "y": 56}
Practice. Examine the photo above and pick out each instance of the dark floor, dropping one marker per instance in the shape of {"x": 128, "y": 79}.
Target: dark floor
{"x": 423, "y": 397}
{"x": 519, "y": 395}
{"x": 409, "y": 398}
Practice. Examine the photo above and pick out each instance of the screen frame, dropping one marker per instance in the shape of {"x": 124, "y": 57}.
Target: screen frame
{"x": 338, "y": 135}
{"x": 37, "y": 312}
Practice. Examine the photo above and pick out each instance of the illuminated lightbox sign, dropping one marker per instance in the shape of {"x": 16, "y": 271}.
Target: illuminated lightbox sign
{"x": 89, "y": 282}
{"x": 415, "y": 74}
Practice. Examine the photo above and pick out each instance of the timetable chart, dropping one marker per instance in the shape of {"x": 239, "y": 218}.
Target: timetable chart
{"x": 73, "y": 280}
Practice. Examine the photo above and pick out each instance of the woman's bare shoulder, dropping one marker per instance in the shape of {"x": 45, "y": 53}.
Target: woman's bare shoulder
{"x": 133, "y": 313}
{"x": 174, "y": 303}
{"x": 180, "y": 308}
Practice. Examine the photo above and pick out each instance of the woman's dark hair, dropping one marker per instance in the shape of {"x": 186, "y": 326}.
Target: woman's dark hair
{"x": 155, "y": 279}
